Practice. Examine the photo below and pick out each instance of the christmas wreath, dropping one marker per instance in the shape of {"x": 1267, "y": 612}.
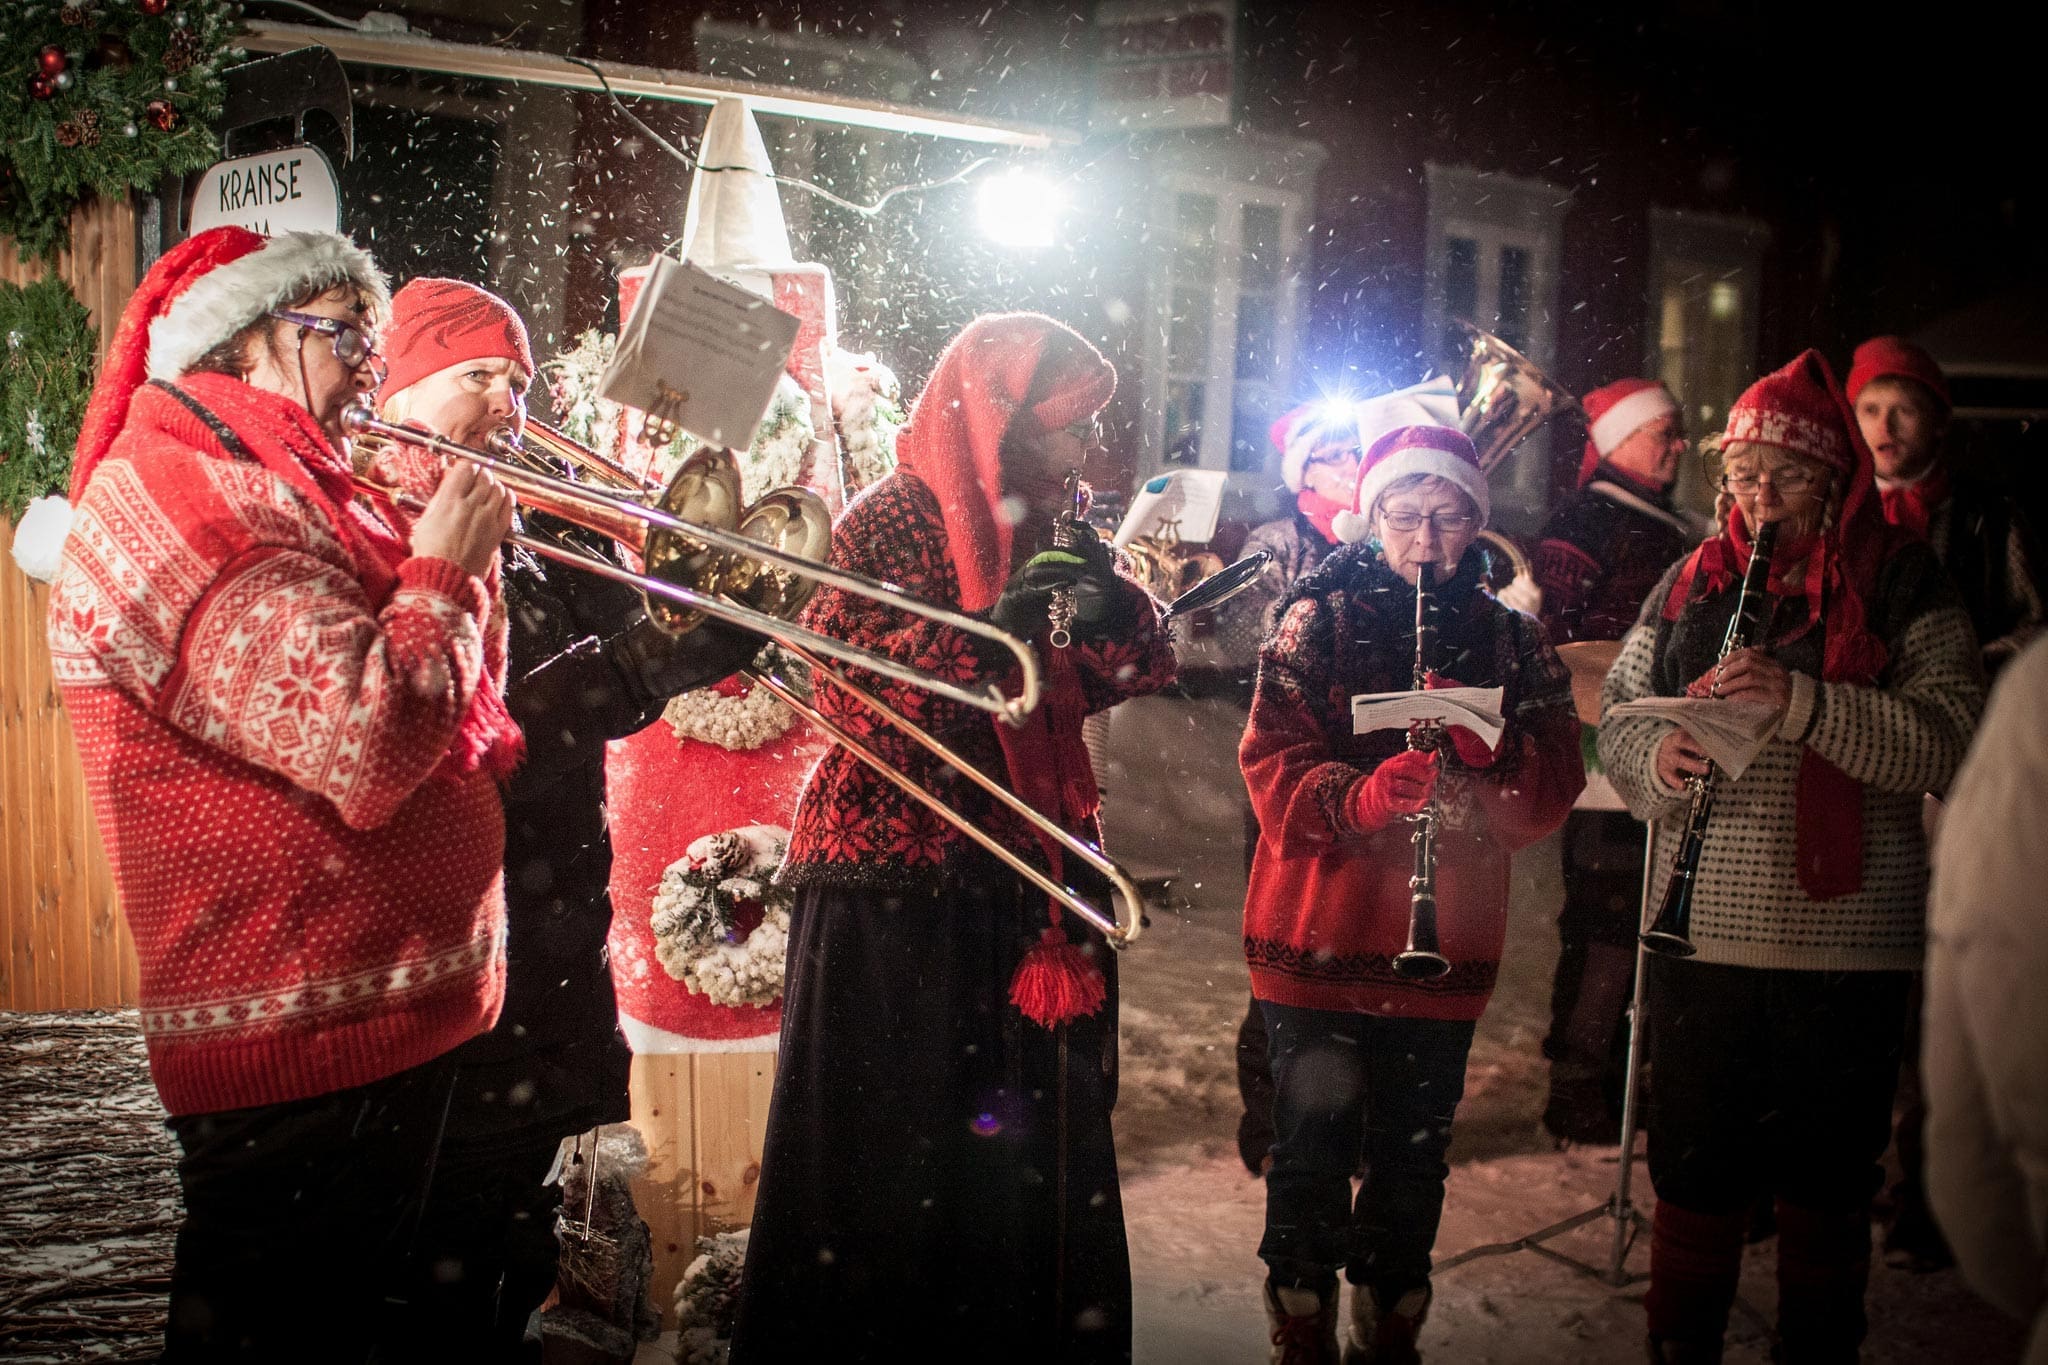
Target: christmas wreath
{"x": 48, "y": 354}
{"x": 697, "y": 909}
{"x": 98, "y": 97}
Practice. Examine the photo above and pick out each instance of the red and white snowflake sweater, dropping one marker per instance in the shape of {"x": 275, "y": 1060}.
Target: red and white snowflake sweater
{"x": 314, "y": 887}
{"x": 1328, "y": 905}
{"x": 854, "y": 827}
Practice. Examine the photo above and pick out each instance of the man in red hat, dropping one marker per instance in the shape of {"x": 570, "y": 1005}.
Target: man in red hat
{"x": 287, "y": 703}
{"x": 585, "y": 667}
{"x": 1601, "y": 553}
{"x": 1902, "y": 404}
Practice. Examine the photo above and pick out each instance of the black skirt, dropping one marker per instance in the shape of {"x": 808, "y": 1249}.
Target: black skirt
{"x": 939, "y": 1174}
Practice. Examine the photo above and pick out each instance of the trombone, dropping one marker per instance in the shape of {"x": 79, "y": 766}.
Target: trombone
{"x": 661, "y": 538}
{"x": 617, "y": 514}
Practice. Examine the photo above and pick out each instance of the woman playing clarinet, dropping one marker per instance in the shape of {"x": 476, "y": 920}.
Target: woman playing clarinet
{"x": 1775, "y": 1042}
{"x": 1368, "y": 1040}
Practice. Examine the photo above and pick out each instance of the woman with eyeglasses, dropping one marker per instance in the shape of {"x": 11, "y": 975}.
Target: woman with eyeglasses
{"x": 290, "y": 720}
{"x": 939, "y": 1177}
{"x": 1365, "y": 1059}
{"x": 1775, "y": 1047}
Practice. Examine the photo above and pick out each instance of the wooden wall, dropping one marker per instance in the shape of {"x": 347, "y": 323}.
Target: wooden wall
{"x": 62, "y": 944}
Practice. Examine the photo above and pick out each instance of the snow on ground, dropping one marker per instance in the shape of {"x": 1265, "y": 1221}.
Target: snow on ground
{"x": 1173, "y": 806}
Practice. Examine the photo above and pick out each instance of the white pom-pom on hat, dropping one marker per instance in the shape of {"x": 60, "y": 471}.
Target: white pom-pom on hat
{"x": 39, "y": 539}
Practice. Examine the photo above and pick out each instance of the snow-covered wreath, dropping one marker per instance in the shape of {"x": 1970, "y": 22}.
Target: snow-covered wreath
{"x": 696, "y": 916}
{"x": 738, "y": 713}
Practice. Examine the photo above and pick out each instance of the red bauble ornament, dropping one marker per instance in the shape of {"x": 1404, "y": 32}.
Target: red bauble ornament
{"x": 161, "y": 114}
{"x": 52, "y": 60}
{"x": 41, "y": 86}
{"x": 155, "y": 7}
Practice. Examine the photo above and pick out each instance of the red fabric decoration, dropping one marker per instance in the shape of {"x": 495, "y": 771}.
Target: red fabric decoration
{"x": 1801, "y": 408}
{"x": 436, "y": 323}
{"x": 128, "y": 354}
{"x": 1911, "y": 505}
{"x": 1614, "y": 412}
{"x": 953, "y": 440}
{"x": 1056, "y": 983}
{"x": 1896, "y": 358}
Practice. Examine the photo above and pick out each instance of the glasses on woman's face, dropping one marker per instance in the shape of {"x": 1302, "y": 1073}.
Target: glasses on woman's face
{"x": 1787, "y": 479}
{"x": 352, "y": 347}
{"x": 1444, "y": 523}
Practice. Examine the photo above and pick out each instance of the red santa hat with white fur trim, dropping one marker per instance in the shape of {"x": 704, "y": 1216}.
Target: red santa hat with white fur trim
{"x": 1615, "y": 412}
{"x": 1444, "y": 452}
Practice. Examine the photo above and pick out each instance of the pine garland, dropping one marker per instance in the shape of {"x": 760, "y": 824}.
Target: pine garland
{"x": 48, "y": 356}
{"x": 127, "y": 98}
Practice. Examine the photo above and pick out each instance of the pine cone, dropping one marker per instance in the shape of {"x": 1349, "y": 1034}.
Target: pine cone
{"x": 69, "y": 134}
{"x": 72, "y": 15}
{"x": 88, "y": 128}
{"x": 182, "y": 52}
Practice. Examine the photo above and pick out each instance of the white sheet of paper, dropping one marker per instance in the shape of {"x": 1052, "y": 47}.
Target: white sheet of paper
{"x": 717, "y": 346}
{"x": 1475, "y": 708}
{"x": 1732, "y": 732}
{"x": 1188, "y": 498}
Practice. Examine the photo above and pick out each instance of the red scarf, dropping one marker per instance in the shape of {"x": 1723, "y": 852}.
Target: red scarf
{"x": 1320, "y": 511}
{"x": 283, "y": 437}
{"x": 1911, "y": 505}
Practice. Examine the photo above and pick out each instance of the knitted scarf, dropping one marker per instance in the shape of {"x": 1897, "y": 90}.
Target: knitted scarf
{"x": 1319, "y": 510}
{"x": 1912, "y": 505}
{"x": 278, "y": 434}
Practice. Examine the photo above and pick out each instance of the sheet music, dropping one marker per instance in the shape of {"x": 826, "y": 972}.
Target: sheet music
{"x": 1475, "y": 708}
{"x": 1189, "y": 499}
{"x": 1733, "y": 733}
{"x": 713, "y": 349}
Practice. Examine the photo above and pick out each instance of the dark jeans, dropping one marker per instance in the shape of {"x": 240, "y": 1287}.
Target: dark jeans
{"x": 1775, "y": 1082}
{"x": 1348, "y": 1085}
{"x": 295, "y": 1214}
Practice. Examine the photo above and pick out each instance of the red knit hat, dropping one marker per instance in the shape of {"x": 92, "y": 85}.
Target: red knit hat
{"x": 199, "y": 294}
{"x": 954, "y": 437}
{"x": 1445, "y": 452}
{"x": 1797, "y": 408}
{"x": 1616, "y": 412}
{"x": 1896, "y": 358}
{"x": 436, "y": 323}
{"x": 1308, "y": 431}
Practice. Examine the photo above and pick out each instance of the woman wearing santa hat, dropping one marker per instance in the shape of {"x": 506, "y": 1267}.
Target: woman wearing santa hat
{"x": 1776, "y": 1046}
{"x": 938, "y": 1170}
{"x": 1363, "y": 1056}
{"x": 585, "y": 667}
{"x": 288, "y": 708}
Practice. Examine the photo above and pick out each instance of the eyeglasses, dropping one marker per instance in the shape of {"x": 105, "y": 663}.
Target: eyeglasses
{"x": 1444, "y": 523}
{"x": 1785, "y": 478}
{"x": 351, "y": 346}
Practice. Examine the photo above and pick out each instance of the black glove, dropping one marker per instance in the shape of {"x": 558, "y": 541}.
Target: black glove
{"x": 1101, "y": 598}
{"x": 661, "y": 665}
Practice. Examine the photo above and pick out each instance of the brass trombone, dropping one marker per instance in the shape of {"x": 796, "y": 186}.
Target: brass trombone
{"x": 761, "y": 576}
{"x": 613, "y": 513}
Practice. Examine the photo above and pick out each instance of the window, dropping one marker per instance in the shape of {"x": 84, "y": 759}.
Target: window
{"x": 1703, "y": 321}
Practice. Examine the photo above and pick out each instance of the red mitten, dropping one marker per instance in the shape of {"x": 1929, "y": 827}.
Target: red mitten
{"x": 1400, "y": 786}
{"x": 1473, "y": 751}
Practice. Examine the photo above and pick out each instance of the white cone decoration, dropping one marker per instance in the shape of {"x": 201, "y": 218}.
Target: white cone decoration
{"x": 39, "y": 539}
{"x": 734, "y": 222}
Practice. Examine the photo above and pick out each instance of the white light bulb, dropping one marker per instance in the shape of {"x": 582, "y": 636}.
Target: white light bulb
{"x": 1020, "y": 209}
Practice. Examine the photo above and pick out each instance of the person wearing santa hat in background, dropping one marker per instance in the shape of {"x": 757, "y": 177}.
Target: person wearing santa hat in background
{"x": 938, "y": 1167}
{"x": 1902, "y": 403}
{"x": 1601, "y": 552}
{"x": 1362, "y": 1057}
{"x": 585, "y": 667}
{"x": 1775, "y": 1048}
{"x": 288, "y": 706}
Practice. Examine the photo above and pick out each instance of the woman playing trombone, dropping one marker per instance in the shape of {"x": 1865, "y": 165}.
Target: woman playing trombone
{"x": 1775, "y": 1042}
{"x": 1362, "y": 1052}
{"x": 938, "y": 1169}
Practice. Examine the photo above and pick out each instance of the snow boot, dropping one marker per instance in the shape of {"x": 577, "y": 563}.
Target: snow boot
{"x": 1302, "y": 1325}
{"x": 1384, "y": 1325}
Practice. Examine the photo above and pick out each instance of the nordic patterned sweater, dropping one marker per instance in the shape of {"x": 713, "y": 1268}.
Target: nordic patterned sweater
{"x": 1899, "y": 738}
{"x": 1328, "y": 905}
{"x": 316, "y": 898}
{"x": 854, "y": 827}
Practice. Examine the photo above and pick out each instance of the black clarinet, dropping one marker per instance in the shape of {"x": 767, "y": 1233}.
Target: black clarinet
{"x": 1423, "y": 959}
{"x": 1667, "y": 933}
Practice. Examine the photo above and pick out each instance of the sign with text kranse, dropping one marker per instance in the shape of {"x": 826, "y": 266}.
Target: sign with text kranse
{"x": 292, "y": 189}
{"x": 701, "y": 352}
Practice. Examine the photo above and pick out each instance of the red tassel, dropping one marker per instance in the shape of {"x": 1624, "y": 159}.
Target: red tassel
{"x": 1056, "y": 982}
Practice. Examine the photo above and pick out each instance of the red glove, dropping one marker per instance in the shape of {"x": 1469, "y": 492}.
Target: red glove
{"x": 1473, "y": 751}
{"x": 1400, "y": 786}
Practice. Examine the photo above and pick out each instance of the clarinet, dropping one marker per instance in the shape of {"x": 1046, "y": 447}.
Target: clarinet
{"x": 1060, "y": 611}
{"x": 1667, "y": 934}
{"x": 1423, "y": 959}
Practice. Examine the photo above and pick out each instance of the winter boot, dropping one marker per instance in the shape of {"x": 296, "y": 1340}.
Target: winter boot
{"x": 1302, "y": 1325}
{"x": 1384, "y": 1325}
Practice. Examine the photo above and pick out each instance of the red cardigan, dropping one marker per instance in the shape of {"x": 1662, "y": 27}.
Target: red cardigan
{"x": 316, "y": 897}
{"x": 1328, "y": 905}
